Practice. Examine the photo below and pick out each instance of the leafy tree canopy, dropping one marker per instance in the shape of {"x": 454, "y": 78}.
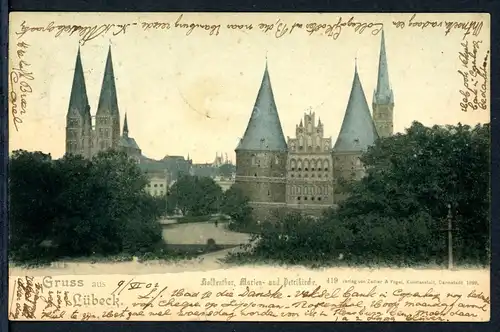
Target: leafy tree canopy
{"x": 397, "y": 213}
{"x": 81, "y": 206}
{"x": 195, "y": 196}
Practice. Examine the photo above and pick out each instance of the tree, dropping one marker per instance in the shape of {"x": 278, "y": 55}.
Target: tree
{"x": 82, "y": 207}
{"x": 235, "y": 205}
{"x": 195, "y": 196}
{"x": 33, "y": 183}
{"x": 411, "y": 179}
{"x": 226, "y": 170}
{"x": 396, "y": 213}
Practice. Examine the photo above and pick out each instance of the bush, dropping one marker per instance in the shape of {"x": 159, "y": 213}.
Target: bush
{"x": 397, "y": 213}
{"x": 211, "y": 245}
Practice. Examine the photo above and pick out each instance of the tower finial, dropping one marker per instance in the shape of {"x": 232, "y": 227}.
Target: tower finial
{"x": 125, "y": 126}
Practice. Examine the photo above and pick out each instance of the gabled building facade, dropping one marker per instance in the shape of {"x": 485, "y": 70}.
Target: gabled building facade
{"x": 309, "y": 166}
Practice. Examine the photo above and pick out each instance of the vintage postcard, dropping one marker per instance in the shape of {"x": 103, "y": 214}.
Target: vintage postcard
{"x": 249, "y": 167}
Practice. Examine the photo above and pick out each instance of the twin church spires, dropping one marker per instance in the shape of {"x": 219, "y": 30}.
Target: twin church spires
{"x": 83, "y": 137}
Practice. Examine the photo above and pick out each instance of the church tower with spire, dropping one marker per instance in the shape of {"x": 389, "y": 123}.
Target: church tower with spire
{"x": 383, "y": 98}
{"x": 128, "y": 143}
{"x": 261, "y": 156}
{"x": 78, "y": 118}
{"x": 357, "y": 132}
{"x": 107, "y": 125}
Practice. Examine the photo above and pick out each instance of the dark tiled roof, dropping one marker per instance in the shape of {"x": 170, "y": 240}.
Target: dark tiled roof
{"x": 128, "y": 142}
{"x": 358, "y": 130}
{"x": 78, "y": 97}
{"x": 107, "y": 98}
{"x": 264, "y": 132}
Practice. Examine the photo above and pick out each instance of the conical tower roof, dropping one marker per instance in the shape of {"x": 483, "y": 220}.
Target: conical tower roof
{"x": 107, "y": 98}
{"x": 78, "y": 98}
{"x": 264, "y": 132}
{"x": 358, "y": 130}
{"x": 125, "y": 126}
{"x": 383, "y": 93}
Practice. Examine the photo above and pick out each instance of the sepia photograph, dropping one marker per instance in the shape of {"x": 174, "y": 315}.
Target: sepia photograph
{"x": 342, "y": 157}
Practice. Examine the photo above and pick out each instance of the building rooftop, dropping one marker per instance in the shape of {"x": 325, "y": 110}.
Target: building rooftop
{"x": 264, "y": 132}
{"x": 358, "y": 130}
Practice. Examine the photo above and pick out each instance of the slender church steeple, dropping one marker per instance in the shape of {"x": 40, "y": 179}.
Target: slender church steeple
{"x": 78, "y": 118}
{"x": 108, "y": 114}
{"x": 125, "y": 126}
{"x": 78, "y": 98}
{"x": 383, "y": 97}
{"x": 107, "y": 99}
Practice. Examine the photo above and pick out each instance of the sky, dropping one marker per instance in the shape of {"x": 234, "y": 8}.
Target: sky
{"x": 193, "y": 94}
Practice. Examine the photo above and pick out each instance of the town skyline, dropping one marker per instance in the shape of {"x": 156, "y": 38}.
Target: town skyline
{"x": 191, "y": 108}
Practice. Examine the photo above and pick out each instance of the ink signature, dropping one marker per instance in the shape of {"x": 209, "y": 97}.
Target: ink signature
{"x": 475, "y": 77}
{"x": 19, "y": 78}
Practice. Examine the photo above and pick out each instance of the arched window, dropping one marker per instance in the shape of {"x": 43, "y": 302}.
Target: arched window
{"x": 301, "y": 141}
{"x": 318, "y": 141}
{"x": 319, "y": 165}
{"x": 326, "y": 164}
{"x": 293, "y": 164}
{"x": 254, "y": 161}
{"x": 306, "y": 165}
{"x": 299, "y": 165}
{"x": 309, "y": 141}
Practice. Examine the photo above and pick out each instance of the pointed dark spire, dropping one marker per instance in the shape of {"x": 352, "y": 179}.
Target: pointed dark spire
{"x": 107, "y": 98}
{"x": 358, "y": 130}
{"x": 78, "y": 98}
{"x": 319, "y": 121}
{"x": 264, "y": 132}
{"x": 125, "y": 127}
{"x": 383, "y": 93}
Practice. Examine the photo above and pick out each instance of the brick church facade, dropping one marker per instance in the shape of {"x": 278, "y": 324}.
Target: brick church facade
{"x": 302, "y": 173}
